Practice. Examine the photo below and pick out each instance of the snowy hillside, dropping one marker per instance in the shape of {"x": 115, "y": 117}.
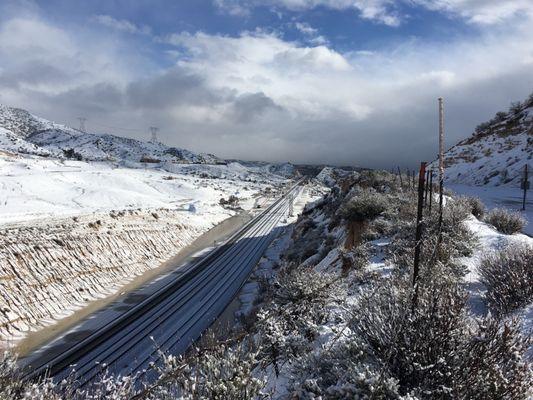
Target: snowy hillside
{"x": 497, "y": 152}
{"x": 49, "y": 170}
{"x": 23, "y": 132}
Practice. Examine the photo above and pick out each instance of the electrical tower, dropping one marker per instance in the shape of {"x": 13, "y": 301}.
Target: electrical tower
{"x": 82, "y": 124}
{"x": 153, "y": 131}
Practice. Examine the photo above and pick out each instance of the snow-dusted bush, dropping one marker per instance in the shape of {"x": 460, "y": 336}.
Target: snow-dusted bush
{"x": 13, "y": 387}
{"x": 218, "y": 371}
{"x": 343, "y": 370}
{"x": 508, "y": 276}
{"x": 505, "y": 221}
{"x": 477, "y": 208}
{"x": 431, "y": 347}
{"x": 417, "y": 344}
{"x": 301, "y": 301}
{"x": 365, "y": 206}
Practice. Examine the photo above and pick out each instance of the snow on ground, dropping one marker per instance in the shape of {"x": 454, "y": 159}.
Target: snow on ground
{"x": 39, "y": 188}
{"x": 498, "y": 197}
{"x": 490, "y": 240}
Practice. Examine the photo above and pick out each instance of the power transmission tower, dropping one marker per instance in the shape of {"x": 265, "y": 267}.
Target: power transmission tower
{"x": 82, "y": 124}
{"x": 154, "y": 130}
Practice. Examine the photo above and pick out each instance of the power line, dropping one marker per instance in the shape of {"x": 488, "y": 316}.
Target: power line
{"x": 116, "y": 127}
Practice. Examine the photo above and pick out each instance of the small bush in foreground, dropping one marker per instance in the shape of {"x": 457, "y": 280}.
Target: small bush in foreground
{"x": 433, "y": 351}
{"x": 508, "y": 276}
{"x": 505, "y": 221}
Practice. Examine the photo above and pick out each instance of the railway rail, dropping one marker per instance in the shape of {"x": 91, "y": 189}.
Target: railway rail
{"x": 177, "y": 314}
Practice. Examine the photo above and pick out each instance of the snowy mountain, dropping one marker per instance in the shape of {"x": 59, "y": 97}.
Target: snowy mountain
{"x": 496, "y": 152}
{"x": 22, "y": 132}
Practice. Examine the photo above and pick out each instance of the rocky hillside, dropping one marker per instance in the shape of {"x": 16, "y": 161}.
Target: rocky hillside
{"x": 497, "y": 151}
{"x": 22, "y": 132}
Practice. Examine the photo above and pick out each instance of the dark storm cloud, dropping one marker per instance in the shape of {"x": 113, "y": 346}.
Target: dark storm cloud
{"x": 248, "y": 106}
{"x": 174, "y": 87}
{"x": 34, "y": 73}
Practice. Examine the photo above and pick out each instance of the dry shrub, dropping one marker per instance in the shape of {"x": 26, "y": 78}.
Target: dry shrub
{"x": 508, "y": 277}
{"x": 506, "y": 221}
{"x": 365, "y": 206}
{"x": 433, "y": 350}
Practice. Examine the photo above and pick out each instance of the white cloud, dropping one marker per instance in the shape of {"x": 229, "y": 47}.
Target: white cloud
{"x": 485, "y": 12}
{"x": 305, "y": 28}
{"x": 382, "y": 11}
{"x": 121, "y": 25}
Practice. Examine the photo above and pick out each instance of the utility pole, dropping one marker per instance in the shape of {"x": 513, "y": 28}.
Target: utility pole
{"x": 441, "y": 164}
{"x": 82, "y": 124}
{"x": 525, "y": 186}
{"x": 153, "y": 131}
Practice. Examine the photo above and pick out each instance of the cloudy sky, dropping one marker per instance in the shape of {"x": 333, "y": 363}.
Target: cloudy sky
{"x": 319, "y": 81}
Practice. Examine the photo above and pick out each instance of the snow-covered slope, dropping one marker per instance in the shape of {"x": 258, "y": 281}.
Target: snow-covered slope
{"x": 497, "y": 152}
{"x": 23, "y": 132}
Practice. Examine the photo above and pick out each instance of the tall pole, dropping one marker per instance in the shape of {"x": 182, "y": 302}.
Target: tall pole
{"x": 526, "y": 184}
{"x": 441, "y": 164}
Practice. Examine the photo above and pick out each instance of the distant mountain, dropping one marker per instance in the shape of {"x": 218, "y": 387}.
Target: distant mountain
{"x": 22, "y": 132}
{"x": 496, "y": 152}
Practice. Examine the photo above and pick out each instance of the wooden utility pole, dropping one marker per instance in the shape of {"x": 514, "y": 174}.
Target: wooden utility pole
{"x": 525, "y": 186}
{"x": 418, "y": 237}
{"x": 441, "y": 164}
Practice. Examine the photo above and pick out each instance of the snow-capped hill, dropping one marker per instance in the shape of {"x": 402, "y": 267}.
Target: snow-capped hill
{"x": 287, "y": 169}
{"x": 106, "y": 147}
{"x": 22, "y": 123}
{"x": 330, "y": 175}
{"x": 23, "y": 132}
{"x": 497, "y": 151}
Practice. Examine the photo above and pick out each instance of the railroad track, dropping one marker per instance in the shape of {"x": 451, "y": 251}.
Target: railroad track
{"x": 176, "y": 315}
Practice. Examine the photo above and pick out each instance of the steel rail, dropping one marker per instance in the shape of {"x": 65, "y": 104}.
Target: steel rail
{"x": 86, "y": 346}
{"x": 216, "y": 270}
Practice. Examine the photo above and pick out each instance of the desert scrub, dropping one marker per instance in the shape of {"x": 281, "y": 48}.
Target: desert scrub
{"x": 365, "y": 206}
{"x": 301, "y": 301}
{"x": 433, "y": 350}
{"x": 508, "y": 277}
{"x": 506, "y": 221}
{"x": 477, "y": 208}
{"x": 343, "y": 370}
{"x": 217, "y": 370}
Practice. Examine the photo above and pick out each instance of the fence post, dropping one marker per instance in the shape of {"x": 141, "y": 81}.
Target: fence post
{"x": 430, "y": 189}
{"x": 525, "y": 183}
{"x": 426, "y": 189}
{"x": 418, "y": 237}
